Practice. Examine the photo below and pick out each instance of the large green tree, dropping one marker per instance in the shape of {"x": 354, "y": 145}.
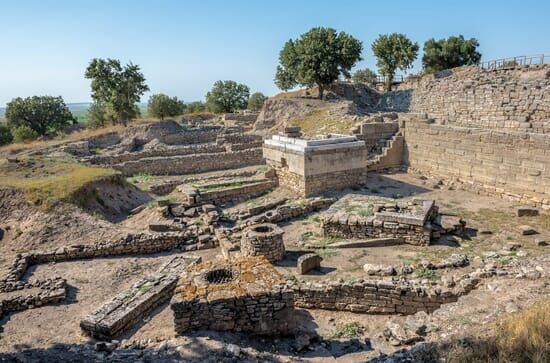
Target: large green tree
{"x": 318, "y": 57}
{"x": 161, "y": 105}
{"x": 42, "y": 114}
{"x": 227, "y": 96}
{"x": 449, "y": 53}
{"x": 394, "y": 51}
{"x": 364, "y": 76}
{"x": 256, "y": 101}
{"x": 118, "y": 87}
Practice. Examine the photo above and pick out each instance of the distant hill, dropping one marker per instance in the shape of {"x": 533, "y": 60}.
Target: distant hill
{"x": 80, "y": 110}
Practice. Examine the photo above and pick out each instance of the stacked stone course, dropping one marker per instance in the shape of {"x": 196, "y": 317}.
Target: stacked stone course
{"x": 246, "y": 295}
{"x": 132, "y": 305}
{"x": 516, "y": 99}
{"x": 263, "y": 240}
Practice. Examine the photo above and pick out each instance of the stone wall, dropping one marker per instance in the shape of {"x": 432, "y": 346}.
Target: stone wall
{"x": 131, "y": 306}
{"x": 516, "y": 99}
{"x": 32, "y": 295}
{"x": 244, "y": 295}
{"x": 373, "y": 132}
{"x": 372, "y": 297}
{"x": 264, "y": 239}
{"x": 186, "y": 164}
{"x": 512, "y": 165}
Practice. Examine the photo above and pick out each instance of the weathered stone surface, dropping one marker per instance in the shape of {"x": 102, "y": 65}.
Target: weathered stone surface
{"x": 263, "y": 240}
{"x": 526, "y": 230}
{"x": 132, "y": 305}
{"x": 246, "y": 295}
{"x": 308, "y": 262}
{"x": 526, "y": 211}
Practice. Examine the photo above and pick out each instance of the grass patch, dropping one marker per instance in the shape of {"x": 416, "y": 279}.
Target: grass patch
{"x": 521, "y": 337}
{"x": 140, "y": 178}
{"x": 326, "y": 252}
{"x": 426, "y": 273}
{"x": 346, "y": 331}
{"x": 48, "y": 180}
{"x": 262, "y": 168}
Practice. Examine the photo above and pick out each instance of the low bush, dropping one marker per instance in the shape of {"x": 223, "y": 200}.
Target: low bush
{"x": 24, "y": 133}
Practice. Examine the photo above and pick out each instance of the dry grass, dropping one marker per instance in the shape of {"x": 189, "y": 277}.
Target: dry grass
{"x": 521, "y": 337}
{"x": 75, "y": 136}
{"x": 322, "y": 122}
{"x": 47, "y": 180}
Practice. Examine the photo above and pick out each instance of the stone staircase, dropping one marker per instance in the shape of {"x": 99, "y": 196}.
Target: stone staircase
{"x": 387, "y": 154}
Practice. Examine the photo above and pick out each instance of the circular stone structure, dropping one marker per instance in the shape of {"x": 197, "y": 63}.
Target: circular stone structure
{"x": 264, "y": 239}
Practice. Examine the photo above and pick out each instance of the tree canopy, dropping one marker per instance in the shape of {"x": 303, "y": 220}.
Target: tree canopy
{"x": 118, "y": 88}
{"x": 42, "y": 114}
{"x": 256, "y": 101}
{"x": 318, "y": 57}
{"x": 196, "y": 106}
{"x": 161, "y": 105}
{"x": 227, "y": 96}
{"x": 394, "y": 51}
{"x": 366, "y": 75}
{"x": 449, "y": 53}
{"x": 5, "y": 134}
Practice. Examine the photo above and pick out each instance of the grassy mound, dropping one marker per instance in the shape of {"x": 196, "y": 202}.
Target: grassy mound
{"x": 323, "y": 122}
{"x": 47, "y": 180}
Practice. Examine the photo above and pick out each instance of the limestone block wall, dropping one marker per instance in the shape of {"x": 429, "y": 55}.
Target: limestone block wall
{"x": 196, "y": 163}
{"x": 372, "y": 297}
{"x": 131, "y": 306}
{"x": 513, "y": 99}
{"x": 247, "y": 191}
{"x": 512, "y": 165}
{"x": 372, "y": 132}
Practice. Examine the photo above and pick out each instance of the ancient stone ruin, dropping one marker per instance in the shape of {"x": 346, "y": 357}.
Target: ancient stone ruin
{"x": 310, "y": 167}
{"x": 246, "y": 294}
{"x": 264, "y": 239}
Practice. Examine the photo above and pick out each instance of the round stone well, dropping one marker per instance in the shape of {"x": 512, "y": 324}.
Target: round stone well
{"x": 246, "y": 294}
{"x": 265, "y": 239}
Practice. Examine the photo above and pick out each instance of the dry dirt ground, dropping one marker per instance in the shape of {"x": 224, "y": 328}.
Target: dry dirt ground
{"x": 492, "y": 225}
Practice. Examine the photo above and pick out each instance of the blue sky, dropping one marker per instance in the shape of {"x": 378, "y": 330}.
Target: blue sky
{"x": 183, "y": 47}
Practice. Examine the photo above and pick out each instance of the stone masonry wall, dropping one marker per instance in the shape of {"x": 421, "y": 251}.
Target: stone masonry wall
{"x": 372, "y": 297}
{"x": 512, "y": 165}
{"x": 513, "y": 99}
{"x": 195, "y": 163}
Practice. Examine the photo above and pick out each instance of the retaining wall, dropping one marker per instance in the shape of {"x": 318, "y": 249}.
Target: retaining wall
{"x": 187, "y": 164}
{"x": 512, "y": 165}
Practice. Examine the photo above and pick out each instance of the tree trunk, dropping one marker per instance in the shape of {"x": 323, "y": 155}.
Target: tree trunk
{"x": 321, "y": 91}
{"x": 122, "y": 120}
{"x": 389, "y": 82}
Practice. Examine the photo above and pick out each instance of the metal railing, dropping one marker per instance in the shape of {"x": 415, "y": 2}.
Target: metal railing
{"x": 515, "y": 61}
{"x": 383, "y": 79}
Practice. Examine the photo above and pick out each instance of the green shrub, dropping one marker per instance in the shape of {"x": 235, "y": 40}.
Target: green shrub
{"x": 5, "y": 135}
{"x": 24, "y": 133}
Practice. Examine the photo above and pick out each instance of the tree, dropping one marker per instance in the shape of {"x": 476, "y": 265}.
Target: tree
{"x": 394, "y": 51}
{"x": 97, "y": 115}
{"x": 5, "y": 134}
{"x": 256, "y": 101}
{"x": 196, "y": 106}
{"x": 364, "y": 76}
{"x": 318, "y": 57}
{"x": 227, "y": 96}
{"x": 42, "y": 114}
{"x": 161, "y": 105}
{"x": 449, "y": 53}
{"x": 118, "y": 88}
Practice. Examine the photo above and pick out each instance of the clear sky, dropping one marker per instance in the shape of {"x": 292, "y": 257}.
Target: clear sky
{"x": 183, "y": 47}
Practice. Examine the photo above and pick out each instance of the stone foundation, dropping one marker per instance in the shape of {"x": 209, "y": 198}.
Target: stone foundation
{"x": 188, "y": 164}
{"x": 263, "y": 240}
{"x": 311, "y": 167}
{"x": 383, "y": 218}
{"x": 131, "y": 306}
{"x": 247, "y": 295}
